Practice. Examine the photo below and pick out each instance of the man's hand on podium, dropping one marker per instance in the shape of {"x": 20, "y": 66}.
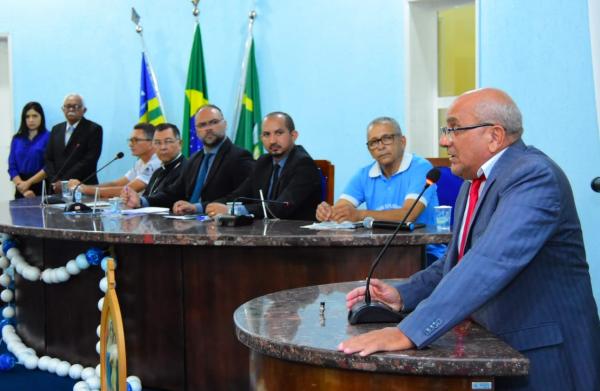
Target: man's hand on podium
{"x": 385, "y": 340}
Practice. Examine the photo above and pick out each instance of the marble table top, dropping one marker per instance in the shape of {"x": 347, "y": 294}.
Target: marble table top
{"x": 26, "y": 217}
{"x": 289, "y": 325}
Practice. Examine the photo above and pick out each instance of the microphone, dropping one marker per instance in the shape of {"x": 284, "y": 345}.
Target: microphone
{"x": 80, "y": 207}
{"x": 231, "y": 220}
{"x": 375, "y": 311}
{"x": 370, "y": 223}
{"x": 56, "y": 199}
{"x": 256, "y": 200}
{"x": 596, "y": 184}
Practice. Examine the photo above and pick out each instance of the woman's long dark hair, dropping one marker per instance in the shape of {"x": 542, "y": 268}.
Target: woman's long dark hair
{"x": 23, "y": 129}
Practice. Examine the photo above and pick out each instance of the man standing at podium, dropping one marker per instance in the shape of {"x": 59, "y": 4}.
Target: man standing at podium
{"x": 516, "y": 261}
{"x": 287, "y": 176}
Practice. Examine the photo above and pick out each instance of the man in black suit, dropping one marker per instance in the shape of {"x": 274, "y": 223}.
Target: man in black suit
{"x": 74, "y": 146}
{"x": 167, "y": 144}
{"x": 287, "y": 175}
{"x": 213, "y": 172}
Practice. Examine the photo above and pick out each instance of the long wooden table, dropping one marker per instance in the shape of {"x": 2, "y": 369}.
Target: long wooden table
{"x": 179, "y": 283}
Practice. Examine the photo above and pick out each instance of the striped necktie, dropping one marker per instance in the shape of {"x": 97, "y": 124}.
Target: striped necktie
{"x": 69, "y": 133}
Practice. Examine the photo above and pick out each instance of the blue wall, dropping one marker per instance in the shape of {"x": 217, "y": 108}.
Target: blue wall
{"x": 539, "y": 51}
{"x": 333, "y": 65}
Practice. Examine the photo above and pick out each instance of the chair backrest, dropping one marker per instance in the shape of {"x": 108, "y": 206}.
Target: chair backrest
{"x": 449, "y": 184}
{"x": 327, "y": 171}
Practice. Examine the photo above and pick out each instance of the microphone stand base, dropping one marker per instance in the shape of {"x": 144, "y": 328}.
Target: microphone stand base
{"x": 54, "y": 199}
{"x": 235, "y": 221}
{"x": 374, "y": 312}
{"x": 78, "y": 207}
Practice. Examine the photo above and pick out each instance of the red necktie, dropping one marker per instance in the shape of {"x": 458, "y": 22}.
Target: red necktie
{"x": 473, "y": 197}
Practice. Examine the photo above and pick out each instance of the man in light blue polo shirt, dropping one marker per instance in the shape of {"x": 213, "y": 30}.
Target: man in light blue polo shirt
{"x": 387, "y": 186}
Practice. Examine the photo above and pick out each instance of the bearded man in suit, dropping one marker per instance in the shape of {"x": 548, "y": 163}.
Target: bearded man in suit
{"x": 287, "y": 175}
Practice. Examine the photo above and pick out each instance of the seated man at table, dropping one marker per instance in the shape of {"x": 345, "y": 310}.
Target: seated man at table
{"x": 516, "y": 261}
{"x": 167, "y": 145}
{"x": 387, "y": 186}
{"x": 140, "y": 144}
{"x": 212, "y": 172}
{"x": 287, "y": 176}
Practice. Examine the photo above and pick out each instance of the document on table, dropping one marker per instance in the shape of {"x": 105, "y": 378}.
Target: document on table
{"x": 145, "y": 211}
{"x": 188, "y": 217}
{"x": 332, "y": 225}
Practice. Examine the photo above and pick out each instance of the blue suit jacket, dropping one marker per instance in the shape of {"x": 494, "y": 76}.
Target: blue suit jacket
{"x": 524, "y": 276}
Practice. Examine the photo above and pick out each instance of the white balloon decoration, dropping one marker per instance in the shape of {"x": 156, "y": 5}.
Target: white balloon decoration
{"x": 75, "y": 371}
{"x": 13, "y": 261}
{"x": 6, "y": 295}
{"x": 62, "y": 369}
{"x": 8, "y": 312}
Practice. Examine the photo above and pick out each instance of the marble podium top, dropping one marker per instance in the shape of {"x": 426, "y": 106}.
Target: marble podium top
{"x": 26, "y": 217}
{"x": 289, "y": 325}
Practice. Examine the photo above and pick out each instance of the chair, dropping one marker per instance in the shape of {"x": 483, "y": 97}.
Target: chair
{"x": 327, "y": 171}
{"x": 448, "y": 185}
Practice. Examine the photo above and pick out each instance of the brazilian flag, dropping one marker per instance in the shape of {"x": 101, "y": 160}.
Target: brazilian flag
{"x": 150, "y": 110}
{"x": 248, "y": 131}
{"x": 196, "y": 95}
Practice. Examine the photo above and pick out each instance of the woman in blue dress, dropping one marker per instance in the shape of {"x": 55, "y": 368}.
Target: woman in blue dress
{"x": 26, "y": 159}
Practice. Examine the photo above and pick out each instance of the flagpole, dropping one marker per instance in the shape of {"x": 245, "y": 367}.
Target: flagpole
{"x": 242, "y": 85}
{"x": 135, "y": 18}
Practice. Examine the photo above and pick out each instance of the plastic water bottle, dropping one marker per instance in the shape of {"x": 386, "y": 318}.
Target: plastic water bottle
{"x": 77, "y": 194}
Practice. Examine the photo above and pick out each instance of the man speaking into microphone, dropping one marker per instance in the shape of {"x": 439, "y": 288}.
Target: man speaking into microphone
{"x": 287, "y": 175}
{"x": 516, "y": 261}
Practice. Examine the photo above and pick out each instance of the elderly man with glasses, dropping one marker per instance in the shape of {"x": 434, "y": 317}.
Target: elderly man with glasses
{"x": 74, "y": 146}
{"x": 388, "y": 186}
{"x": 516, "y": 262}
{"x": 140, "y": 144}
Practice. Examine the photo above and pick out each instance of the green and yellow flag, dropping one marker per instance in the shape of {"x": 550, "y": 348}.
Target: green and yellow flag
{"x": 248, "y": 131}
{"x": 196, "y": 95}
{"x": 150, "y": 110}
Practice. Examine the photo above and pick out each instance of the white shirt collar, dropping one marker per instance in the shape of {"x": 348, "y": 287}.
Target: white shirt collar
{"x": 74, "y": 125}
{"x": 375, "y": 170}
{"x": 486, "y": 168}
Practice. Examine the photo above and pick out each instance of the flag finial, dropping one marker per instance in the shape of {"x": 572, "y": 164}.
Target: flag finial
{"x": 135, "y": 18}
{"x": 196, "y": 12}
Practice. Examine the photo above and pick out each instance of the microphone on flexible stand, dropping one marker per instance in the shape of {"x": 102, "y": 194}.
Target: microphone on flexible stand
{"x": 232, "y": 220}
{"x": 80, "y": 207}
{"x": 56, "y": 199}
{"x": 375, "y": 311}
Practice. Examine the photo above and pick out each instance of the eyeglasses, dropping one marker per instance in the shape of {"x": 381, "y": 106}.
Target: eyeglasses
{"x": 212, "y": 122}
{"x": 72, "y": 107}
{"x": 135, "y": 140}
{"x": 167, "y": 142}
{"x": 386, "y": 139}
{"x": 447, "y": 132}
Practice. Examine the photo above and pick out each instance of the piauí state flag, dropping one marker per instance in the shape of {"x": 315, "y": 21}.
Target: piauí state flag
{"x": 249, "y": 128}
{"x": 150, "y": 110}
{"x": 196, "y": 95}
